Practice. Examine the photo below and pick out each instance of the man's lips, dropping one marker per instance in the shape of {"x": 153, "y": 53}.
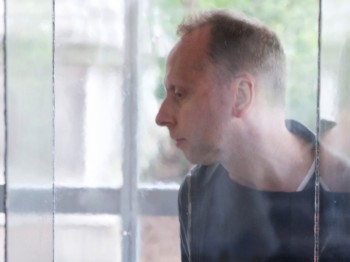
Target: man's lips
{"x": 179, "y": 141}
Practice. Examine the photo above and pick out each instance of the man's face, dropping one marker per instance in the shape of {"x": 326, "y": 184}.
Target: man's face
{"x": 196, "y": 109}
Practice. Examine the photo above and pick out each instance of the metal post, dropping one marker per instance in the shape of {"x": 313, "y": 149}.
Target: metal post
{"x": 317, "y": 170}
{"x": 129, "y": 210}
{"x": 4, "y": 50}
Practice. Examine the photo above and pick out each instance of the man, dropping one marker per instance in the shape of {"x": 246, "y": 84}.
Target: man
{"x": 225, "y": 86}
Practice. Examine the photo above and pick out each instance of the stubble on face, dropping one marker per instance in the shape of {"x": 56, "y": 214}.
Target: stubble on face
{"x": 202, "y": 117}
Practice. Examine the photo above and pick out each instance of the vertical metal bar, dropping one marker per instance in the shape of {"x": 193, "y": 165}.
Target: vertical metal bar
{"x": 129, "y": 205}
{"x": 317, "y": 146}
{"x": 4, "y": 44}
{"x": 53, "y": 28}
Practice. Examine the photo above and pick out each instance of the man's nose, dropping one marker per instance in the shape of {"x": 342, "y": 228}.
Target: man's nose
{"x": 165, "y": 116}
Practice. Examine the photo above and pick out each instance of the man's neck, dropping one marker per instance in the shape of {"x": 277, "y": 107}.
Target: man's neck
{"x": 275, "y": 160}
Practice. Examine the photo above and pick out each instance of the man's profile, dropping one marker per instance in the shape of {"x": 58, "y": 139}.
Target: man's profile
{"x": 251, "y": 195}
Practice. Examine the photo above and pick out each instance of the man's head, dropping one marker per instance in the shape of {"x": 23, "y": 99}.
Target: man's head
{"x": 212, "y": 77}
{"x": 241, "y": 44}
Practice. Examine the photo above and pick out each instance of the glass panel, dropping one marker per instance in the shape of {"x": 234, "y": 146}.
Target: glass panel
{"x": 88, "y": 238}
{"x": 161, "y": 166}
{"x": 334, "y": 79}
{"x": 30, "y": 131}
{"x": 160, "y": 162}
{"x": 89, "y": 63}
{"x": 88, "y": 93}
{"x": 335, "y": 120}
{"x": 264, "y": 208}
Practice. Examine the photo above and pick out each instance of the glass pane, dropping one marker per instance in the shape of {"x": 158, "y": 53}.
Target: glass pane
{"x": 88, "y": 159}
{"x": 88, "y": 238}
{"x": 161, "y": 166}
{"x": 334, "y": 79}
{"x": 261, "y": 206}
{"x": 335, "y": 119}
{"x": 88, "y": 93}
{"x": 159, "y": 160}
{"x": 30, "y": 131}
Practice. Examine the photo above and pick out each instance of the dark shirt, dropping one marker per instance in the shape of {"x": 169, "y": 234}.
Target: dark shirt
{"x": 224, "y": 221}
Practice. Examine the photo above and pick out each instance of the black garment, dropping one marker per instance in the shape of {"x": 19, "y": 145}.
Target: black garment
{"x": 224, "y": 221}
{"x": 334, "y": 226}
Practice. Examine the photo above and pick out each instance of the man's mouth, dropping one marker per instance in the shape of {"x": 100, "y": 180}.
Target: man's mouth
{"x": 179, "y": 141}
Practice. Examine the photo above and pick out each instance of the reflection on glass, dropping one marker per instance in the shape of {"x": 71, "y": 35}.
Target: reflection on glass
{"x": 335, "y": 124}
{"x": 335, "y": 78}
{"x": 30, "y": 131}
{"x": 159, "y": 160}
{"x": 88, "y": 93}
{"x": 88, "y": 85}
{"x": 335, "y": 96}
{"x": 88, "y": 238}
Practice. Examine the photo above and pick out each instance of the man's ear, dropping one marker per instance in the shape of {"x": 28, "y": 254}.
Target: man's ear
{"x": 243, "y": 94}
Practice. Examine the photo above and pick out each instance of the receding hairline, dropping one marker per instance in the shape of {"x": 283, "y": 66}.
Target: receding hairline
{"x": 211, "y": 17}
{"x": 240, "y": 43}
{"x": 205, "y": 39}
{"x": 206, "y": 62}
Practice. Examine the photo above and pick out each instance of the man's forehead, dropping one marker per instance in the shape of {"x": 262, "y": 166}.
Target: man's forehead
{"x": 198, "y": 40}
{"x": 190, "y": 61}
{"x": 191, "y": 50}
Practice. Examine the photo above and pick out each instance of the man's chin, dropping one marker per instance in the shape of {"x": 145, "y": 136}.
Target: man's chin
{"x": 199, "y": 159}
